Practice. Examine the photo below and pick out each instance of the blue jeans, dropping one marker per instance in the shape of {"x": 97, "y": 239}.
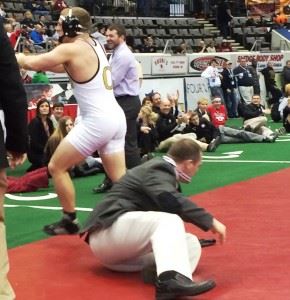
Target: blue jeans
{"x": 231, "y": 102}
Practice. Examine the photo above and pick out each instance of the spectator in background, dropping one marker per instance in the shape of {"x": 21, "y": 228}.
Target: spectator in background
{"x": 229, "y": 87}
{"x": 182, "y": 48}
{"x": 39, "y": 130}
{"x": 255, "y": 119}
{"x": 147, "y": 102}
{"x": 225, "y": 46}
{"x": 28, "y": 20}
{"x": 224, "y": 17}
{"x": 273, "y": 91}
{"x": 201, "y": 47}
{"x": 167, "y": 125}
{"x": 156, "y": 100}
{"x": 201, "y": 109}
{"x": 217, "y": 112}
{"x": 147, "y": 133}
{"x": 245, "y": 80}
{"x": 210, "y": 47}
{"x": 36, "y": 36}
{"x": 57, "y": 113}
{"x": 253, "y": 67}
{"x": 40, "y": 77}
{"x": 286, "y": 74}
{"x": 213, "y": 76}
{"x": 148, "y": 45}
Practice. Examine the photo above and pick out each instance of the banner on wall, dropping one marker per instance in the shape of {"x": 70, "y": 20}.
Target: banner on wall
{"x": 169, "y": 65}
{"x": 198, "y": 63}
{"x": 195, "y": 88}
{"x": 277, "y": 59}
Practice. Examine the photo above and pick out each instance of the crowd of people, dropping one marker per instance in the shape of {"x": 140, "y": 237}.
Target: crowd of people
{"x": 124, "y": 132}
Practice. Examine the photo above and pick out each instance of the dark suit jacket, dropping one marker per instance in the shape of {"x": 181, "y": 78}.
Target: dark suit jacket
{"x": 149, "y": 187}
{"x": 12, "y": 98}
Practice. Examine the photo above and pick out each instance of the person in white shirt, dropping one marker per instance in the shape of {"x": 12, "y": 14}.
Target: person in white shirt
{"x": 211, "y": 73}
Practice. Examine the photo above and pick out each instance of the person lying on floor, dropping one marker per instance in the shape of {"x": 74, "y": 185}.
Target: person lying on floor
{"x": 206, "y": 132}
{"x": 140, "y": 223}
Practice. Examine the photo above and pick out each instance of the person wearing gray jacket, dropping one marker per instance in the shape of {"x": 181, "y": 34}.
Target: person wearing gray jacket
{"x": 140, "y": 223}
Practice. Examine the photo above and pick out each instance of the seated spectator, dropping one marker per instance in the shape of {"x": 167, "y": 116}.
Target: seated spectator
{"x": 286, "y": 117}
{"x": 255, "y": 119}
{"x": 210, "y": 47}
{"x": 167, "y": 125}
{"x": 40, "y": 9}
{"x": 147, "y": 102}
{"x": 201, "y": 47}
{"x": 39, "y": 130}
{"x": 206, "y": 132}
{"x": 23, "y": 34}
{"x": 156, "y": 100}
{"x": 182, "y": 48}
{"x": 36, "y": 36}
{"x": 40, "y": 77}
{"x": 225, "y": 46}
{"x": 57, "y": 113}
{"x": 8, "y": 28}
{"x": 201, "y": 109}
{"x": 217, "y": 112}
{"x": 147, "y": 133}
{"x": 28, "y": 20}
{"x": 148, "y": 45}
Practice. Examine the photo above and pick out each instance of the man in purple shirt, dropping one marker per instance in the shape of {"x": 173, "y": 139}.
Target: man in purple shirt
{"x": 126, "y": 89}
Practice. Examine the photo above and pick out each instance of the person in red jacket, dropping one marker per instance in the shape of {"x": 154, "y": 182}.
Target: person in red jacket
{"x": 217, "y": 112}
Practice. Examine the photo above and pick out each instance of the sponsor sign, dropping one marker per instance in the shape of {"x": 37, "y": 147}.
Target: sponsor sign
{"x": 198, "y": 63}
{"x": 277, "y": 60}
{"x": 169, "y": 65}
{"x": 195, "y": 88}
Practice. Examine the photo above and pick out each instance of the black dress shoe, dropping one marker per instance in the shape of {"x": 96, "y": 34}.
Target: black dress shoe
{"x": 103, "y": 187}
{"x": 181, "y": 285}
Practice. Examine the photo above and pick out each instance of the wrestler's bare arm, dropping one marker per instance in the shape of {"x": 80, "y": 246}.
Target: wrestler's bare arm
{"x": 50, "y": 61}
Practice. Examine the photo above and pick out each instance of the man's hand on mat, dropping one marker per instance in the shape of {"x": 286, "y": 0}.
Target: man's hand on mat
{"x": 220, "y": 229}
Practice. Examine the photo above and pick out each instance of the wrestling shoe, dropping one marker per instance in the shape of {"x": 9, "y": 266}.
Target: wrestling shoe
{"x": 179, "y": 285}
{"x": 64, "y": 226}
{"x": 104, "y": 186}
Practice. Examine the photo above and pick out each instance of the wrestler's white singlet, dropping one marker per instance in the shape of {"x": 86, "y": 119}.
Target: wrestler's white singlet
{"x": 102, "y": 125}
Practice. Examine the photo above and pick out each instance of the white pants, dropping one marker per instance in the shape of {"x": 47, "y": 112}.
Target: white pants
{"x": 258, "y": 125}
{"x": 138, "y": 239}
